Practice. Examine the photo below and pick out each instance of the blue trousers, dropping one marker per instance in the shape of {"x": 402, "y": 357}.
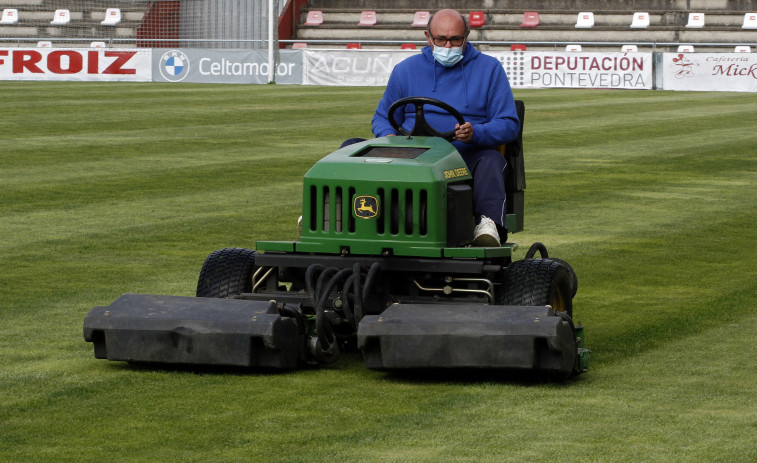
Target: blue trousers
{"x": 487, "y": 166}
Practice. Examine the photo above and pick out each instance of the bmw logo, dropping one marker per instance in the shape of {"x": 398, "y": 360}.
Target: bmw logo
{"x": 174, "y": 66}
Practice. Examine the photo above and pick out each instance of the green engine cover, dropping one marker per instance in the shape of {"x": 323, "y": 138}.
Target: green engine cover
{"x": 384, "y": 196}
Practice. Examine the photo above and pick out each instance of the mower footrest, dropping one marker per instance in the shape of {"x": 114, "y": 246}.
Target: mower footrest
{"x": 408, "y": 336}
{"x": 191, "y": 330}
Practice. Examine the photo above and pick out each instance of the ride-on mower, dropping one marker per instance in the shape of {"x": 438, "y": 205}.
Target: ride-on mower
{"x": 383, "y": 264}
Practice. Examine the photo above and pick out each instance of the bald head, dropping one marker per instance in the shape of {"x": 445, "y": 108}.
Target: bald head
{"x": 446, "y": 24}
{"x": 444, "y": 19}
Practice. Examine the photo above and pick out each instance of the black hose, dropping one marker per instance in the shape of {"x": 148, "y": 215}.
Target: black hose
{"x": 346, "y": 308}
{"x": 537, "y": 247}
{"x": 296, "y": 314}
{"x": 357, "y": 274}
{"x": 309, "y": 275}
{"x": 330, "y": 285}
{"x": 328, "y": 273}
{"x": 370, "y": 279}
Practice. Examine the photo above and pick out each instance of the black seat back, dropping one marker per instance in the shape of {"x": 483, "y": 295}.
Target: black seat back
{"x": 515, "y": 173}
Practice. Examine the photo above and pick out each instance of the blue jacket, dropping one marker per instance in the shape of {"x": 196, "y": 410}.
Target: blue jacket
{"x": 477, "y": 87}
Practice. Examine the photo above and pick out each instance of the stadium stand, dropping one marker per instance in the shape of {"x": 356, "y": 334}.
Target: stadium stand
{"x": 329, "y": 23}
{"x": 408, "y": 46}
{"x": 544, "y": 29}
{"x": 517, "y": 47}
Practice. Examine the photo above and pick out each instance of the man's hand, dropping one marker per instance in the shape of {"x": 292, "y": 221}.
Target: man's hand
{"x": 464, "y": 132}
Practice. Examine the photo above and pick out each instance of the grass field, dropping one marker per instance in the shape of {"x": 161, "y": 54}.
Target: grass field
{"x": 109, "y": 188}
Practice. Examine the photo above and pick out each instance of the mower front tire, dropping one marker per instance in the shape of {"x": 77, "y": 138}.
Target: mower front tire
{"x": 538, "y": 282}
{"x": 226, "y": 272}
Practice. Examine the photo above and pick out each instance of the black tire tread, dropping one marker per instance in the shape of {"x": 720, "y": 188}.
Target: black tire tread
{"x": 226, "y": 272}
{"x": 532, "y": 282}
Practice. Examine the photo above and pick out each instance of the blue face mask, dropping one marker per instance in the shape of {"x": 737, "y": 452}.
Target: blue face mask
{"x": 448, "y": 57}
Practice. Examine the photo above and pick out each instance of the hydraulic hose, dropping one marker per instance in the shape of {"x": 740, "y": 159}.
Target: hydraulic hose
{"x": 537, "y": 247}
{"x": 357, "y": 294}
{"x": 370, "y": 279}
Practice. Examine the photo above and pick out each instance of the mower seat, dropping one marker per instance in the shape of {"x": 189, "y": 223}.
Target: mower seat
{"x": 515, "y": 172}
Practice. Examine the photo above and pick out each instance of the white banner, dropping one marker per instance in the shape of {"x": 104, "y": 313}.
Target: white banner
{"x": 577, "y": 70}
{"x": 524, "y": 69}
{"x": 102, "y": 64}
{"x": 733, "y": 72}
{"x": 350, "y": 67}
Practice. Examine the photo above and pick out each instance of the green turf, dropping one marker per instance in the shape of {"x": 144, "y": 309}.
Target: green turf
{"x": 108, "y": 188}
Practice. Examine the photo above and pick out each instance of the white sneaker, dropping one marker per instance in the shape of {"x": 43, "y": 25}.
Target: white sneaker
{"x": 485, "y": 234}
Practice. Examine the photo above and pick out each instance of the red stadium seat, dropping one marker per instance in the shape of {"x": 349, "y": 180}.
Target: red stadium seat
{"x": 315, "y": 18}
{"x": 299, "y": 45}
{"x": 367, "y": 19}
{"x": 530, "y": 19}
{"x": 354, "y": 46}
{"x": 421, "y": 18}
{"x": 476, "y": 19}
{"x": 408, "y": 46}
{"x": 517, "y": 47}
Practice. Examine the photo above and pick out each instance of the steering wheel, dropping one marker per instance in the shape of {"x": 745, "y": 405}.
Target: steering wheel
{"x": 421, "y": 127}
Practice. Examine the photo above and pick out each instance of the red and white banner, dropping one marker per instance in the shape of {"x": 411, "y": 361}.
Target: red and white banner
{"x": 577, "y": 70}
{"x": 732, "y": 72}
{"x": 76, "y": 64}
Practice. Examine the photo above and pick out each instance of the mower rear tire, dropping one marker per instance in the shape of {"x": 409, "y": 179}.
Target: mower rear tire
{"x": 538, "y": 282}
{"x": 226, "y": 272}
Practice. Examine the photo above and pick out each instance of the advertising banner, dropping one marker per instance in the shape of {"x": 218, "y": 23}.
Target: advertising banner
{"x": 733, "y": 72}
{"x": 102, "y": 64}
{"x": 577, "y": 70}
{"x": 214, "y": 66}
{"x": 350, "y": 67}
{"x": 524, "y": 69}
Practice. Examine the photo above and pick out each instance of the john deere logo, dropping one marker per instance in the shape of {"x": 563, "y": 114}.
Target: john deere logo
{"x": 365, "y": 207}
